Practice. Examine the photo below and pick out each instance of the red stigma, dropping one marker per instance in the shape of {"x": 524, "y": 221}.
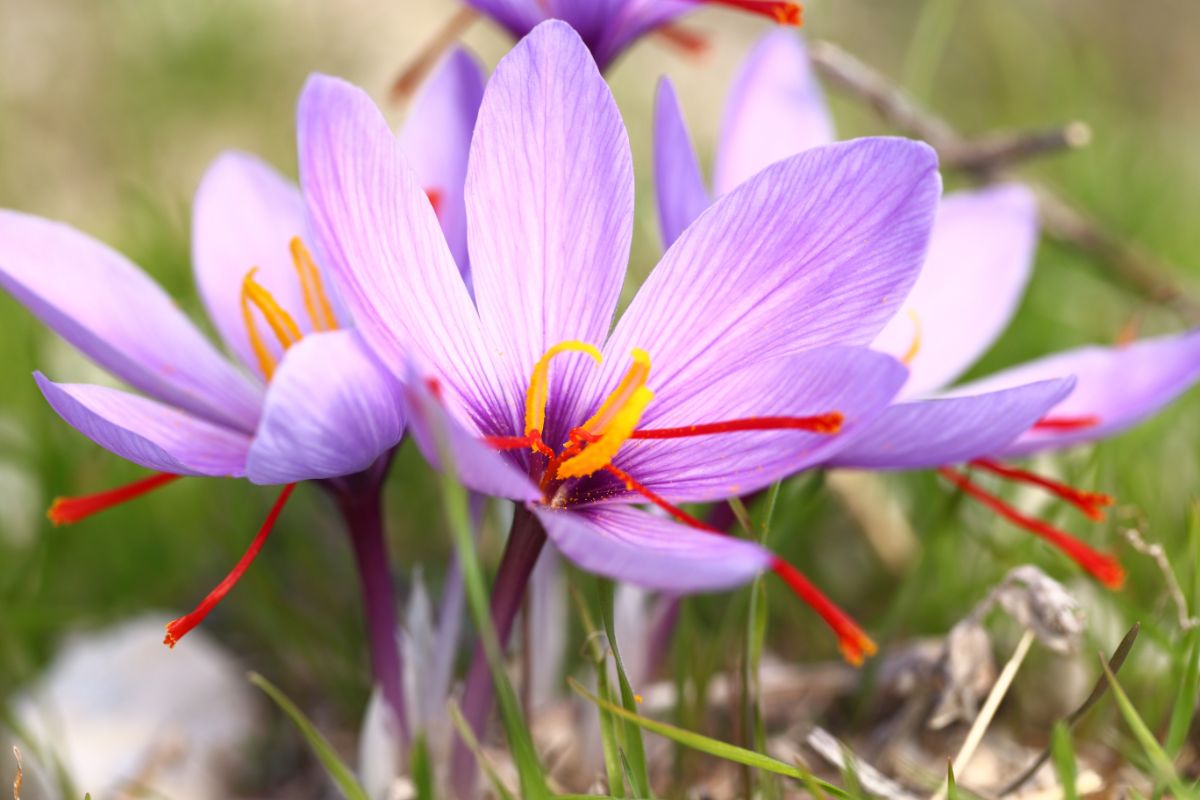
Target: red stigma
{"x": 1101, "y": 566}
{"x": 782, "y": 12}
{"x": 852, "y": 640}
{"x": 1066, "y": 423}
{"x": 435, "y": 200}
{"x": 68, "y": 510}
{"x": 675, "y": 511}
{"x": 823, "y": 423}
{"x": 1090, "y": 503}
{"x": 689, "y": 41}
{"x": 178, "y": 628}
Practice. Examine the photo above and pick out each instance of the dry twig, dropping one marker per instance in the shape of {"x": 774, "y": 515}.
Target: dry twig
{"x": 20, "y": 774}
{"x": 988, "y": 158}
{"x": 419, "y": 67}
{"x": 1159, "y": 556}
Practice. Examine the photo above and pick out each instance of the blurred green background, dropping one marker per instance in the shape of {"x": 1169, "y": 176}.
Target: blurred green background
{"x": 109, "y": 113}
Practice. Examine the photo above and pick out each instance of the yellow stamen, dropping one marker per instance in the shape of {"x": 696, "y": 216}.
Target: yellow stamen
{"x": 320, "y": 311}
{"x": 634, "y": 379}
{"x": 280, "y": 322}
{"x": 620, "y": 426}
{"x": 915, "y": 347}
{"x": 539, "y": 383}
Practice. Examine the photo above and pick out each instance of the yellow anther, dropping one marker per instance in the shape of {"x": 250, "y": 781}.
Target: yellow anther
{"x": 915, "y": 347}
{"x": 539, "y": 382}
{"x": 316, "y": 302}
{"x": 621, "y": 424}
{"x": 280, "y": 322}
{"x": 634, "y": 379}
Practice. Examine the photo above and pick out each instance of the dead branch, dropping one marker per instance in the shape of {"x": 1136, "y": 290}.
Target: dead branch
{"x": 989, "y": 158}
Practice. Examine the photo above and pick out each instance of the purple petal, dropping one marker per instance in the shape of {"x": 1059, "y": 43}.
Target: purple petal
{"x": 592, "y": 19}
{"x": 1116, "y": 386}
{"x": 923, "y": 434}
{"x": 331, "y": 410}
{"x": 383, "y": 245}
{"x": 776, "y": 109}
{"x": 979, "y": 261}
{"x": 476, "y": 465}
{"x": 630, "y": 545}
{"x": 118, "y": 317}
{"x": 678, "y": 181}
{"x": 635, "y": 19}
{"x": 436, "y": 137}
{"x": 146, "y": 432}
{"x": 856, "y": 382}
{"x": 816, "y": 250}
{"x": 244, "y": 216}
{"x": 550, "y": 199}
{"x": 517, "y": 16}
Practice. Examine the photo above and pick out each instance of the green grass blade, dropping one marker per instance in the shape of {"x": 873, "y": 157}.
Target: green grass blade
{"x": 951, "y": 784}
{"x": 1062, "y": 752}
{"x": 337, "y": 770}
{"x": 631, "y": 740}
{"x": 520, "y": 743}
{"x": 1185, "y": 699}
{"x": 1164, "y": 770}
{"x": 704, "y": 744}
{"x": 608, "y": 735}
{"x": 468, "y": 737}
{"x": 421, "y": 769}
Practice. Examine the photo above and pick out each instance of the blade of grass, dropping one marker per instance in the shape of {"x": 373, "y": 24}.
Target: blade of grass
{"x": 756, "y": 634}
{"x": 634, "y": 748}
{"x": 741, "y": 514}
{"x": 1063, "y": 754}
{"x": 520, "y": 743}
{"x": 1159, "y": 762}
{"x": 1185, "y": 699}
{"x": 704, "y": 744}
{"x": 951, "y": 784}
{"x": 421, "y": 769}
{"x": 1115, "y": 662}
{"x": 608, "y": 735}
{"x": 337, "y": 770}
{"x": 485, "y": 764}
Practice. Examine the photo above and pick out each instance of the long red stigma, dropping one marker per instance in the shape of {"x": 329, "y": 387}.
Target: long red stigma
{"x": 67, "y": 510}
{"x": 822, "y": 423}
{"x": 1066, "y": 423}
{"x": 678, "y": 513}
{"x": 852, "y": 640}
{"x": 691, "y": 42}
{"x": 1092, "y": 504}
{"x": 782, "y": 12}
{"x": 178, "y": 628}
{"x": 1101, "y": 566}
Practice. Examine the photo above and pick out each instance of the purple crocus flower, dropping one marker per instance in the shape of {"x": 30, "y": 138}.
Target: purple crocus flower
{"x": 307, "y": 401}
{"x": 978, "y": 264}
{"x": 608, "y": 27}
{"x": 734, "y": 363}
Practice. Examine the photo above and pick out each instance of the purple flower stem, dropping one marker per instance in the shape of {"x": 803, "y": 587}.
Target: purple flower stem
{"x": 360, "y": 500}
{"x": 525, "y": 542}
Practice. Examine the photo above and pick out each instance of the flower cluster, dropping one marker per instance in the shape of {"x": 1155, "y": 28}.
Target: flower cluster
{"x": 458, "y": 282}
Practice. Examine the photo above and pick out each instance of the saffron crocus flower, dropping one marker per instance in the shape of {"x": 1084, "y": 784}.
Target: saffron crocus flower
{"x": 980, "y": 256}
{"x": 734, "y": 365}
{"x": 608, "y": 27}
{"x": 306, "y": 402}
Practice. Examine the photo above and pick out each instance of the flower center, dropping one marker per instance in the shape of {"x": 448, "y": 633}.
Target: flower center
{"x": 278, "y": 320}
{"x": 592, "y": 446}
